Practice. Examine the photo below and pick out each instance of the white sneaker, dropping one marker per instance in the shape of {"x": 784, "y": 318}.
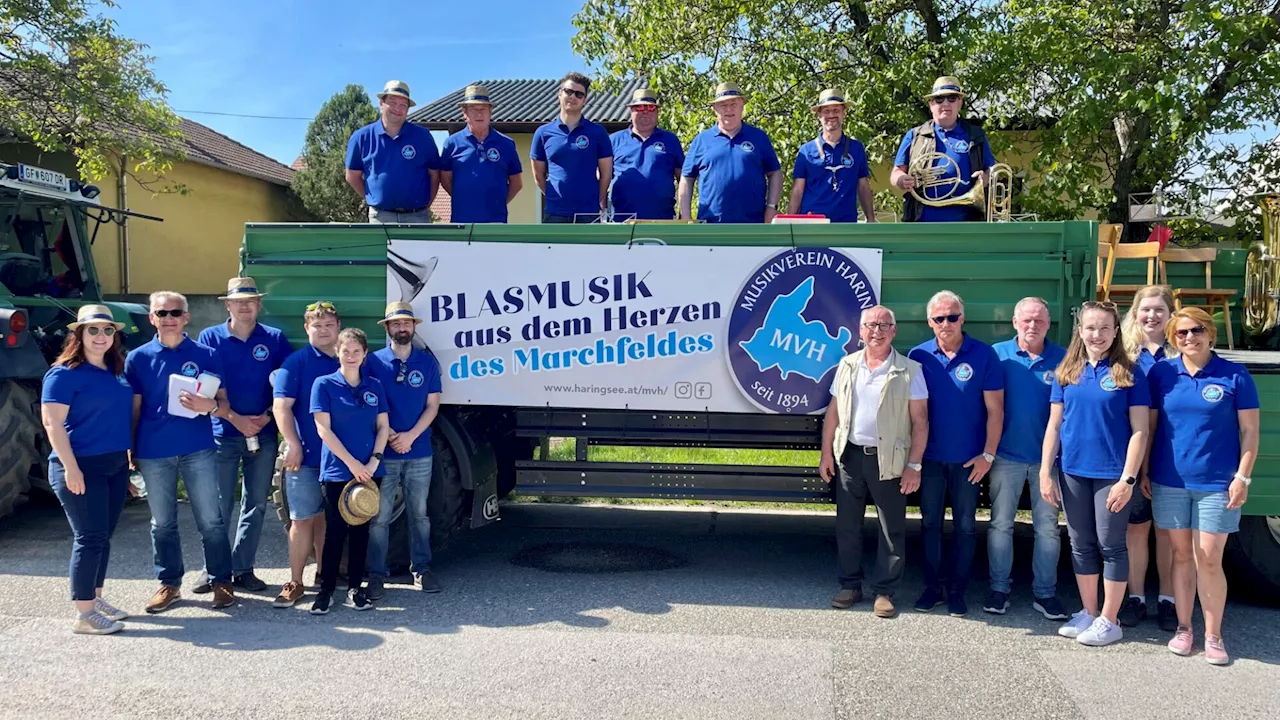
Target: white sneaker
{"x": 1101, "y": 632}
{"x": 94, "y": 623}
{"x": 1077, "y": 624}
{"x": 108, "y": 611}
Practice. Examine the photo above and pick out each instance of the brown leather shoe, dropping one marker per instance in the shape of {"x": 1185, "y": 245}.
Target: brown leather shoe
{"x": 289, "y": 595}
{"x": 163, "y": 598}
{"x": 846, "y": 598}
{"x": 884, "y": 607}
{"x": 223, "y": 595}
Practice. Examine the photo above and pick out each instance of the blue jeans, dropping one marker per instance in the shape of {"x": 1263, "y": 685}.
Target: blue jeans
{"x": 93, "y": 515}
{"x": 200, "y": 476}
{"x": 246, "y": 527}
{"x": 1008, "y": 477}
{"x": 414, "y": 476}
{"x": 938, "y": 482}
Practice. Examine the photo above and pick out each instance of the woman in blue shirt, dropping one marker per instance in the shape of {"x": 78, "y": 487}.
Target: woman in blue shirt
{"x": 350, "y": 410}
{"x": 86, "y": 406}
{"x": 1098, "y": 414}
{"x": 1205, "y": 413}
{"x": 1144, "y": 340}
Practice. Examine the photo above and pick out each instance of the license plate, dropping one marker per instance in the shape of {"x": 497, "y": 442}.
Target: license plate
{"x": 42, "y": 177}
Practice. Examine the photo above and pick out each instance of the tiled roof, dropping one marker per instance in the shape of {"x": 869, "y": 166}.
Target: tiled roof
{"x": 209, "y": 147}
{"x": 299, "y": 163}
{"x": 523, "y": 105}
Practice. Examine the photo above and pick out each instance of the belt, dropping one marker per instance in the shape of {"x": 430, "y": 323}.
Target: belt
{"x": 402, "y": 211}
{"x": 866, "y": 449}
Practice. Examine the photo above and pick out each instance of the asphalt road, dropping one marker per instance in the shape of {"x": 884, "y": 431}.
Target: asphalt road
{"x": 737, "y": 626}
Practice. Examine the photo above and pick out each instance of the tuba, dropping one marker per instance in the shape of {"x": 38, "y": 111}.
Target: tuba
{"x": 1262, "y": 272}
{"x": 928, "y": 170}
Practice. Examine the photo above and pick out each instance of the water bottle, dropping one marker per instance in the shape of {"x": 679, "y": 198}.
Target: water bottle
{"x": 252, "y": 444}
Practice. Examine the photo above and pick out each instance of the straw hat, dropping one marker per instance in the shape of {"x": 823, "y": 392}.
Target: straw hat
{"x": 241, "y": 288}
{"x": 643, "y": 96}
{"x": 396, "y": 87}
{"x": 831, "y": 96}
{"x": 946, "y": 85}
{"x": 359, "y": 502}
{"x": 90, "y": 314}
{"x": 399, "y": 311}
{"x": 727, "y": 91}
{"x": 476, "y": 95}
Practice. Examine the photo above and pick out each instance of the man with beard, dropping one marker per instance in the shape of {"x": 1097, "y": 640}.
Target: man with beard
{"x": 831, "y": 176}
{"x": 392, "y": 163}
{"x": 412, "y": 381}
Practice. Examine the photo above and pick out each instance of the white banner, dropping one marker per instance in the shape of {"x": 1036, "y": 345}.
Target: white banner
{"x": 649, "y": 327}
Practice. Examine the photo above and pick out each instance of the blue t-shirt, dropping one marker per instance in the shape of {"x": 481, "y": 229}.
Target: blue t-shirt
{"x": 481, "y": 175}
{"x": 353, "y": 417}
{"x": 644, "y": 174}
{"x": 99, "y": 408}
{"x": 161, "y": 435}
{"x": 294, "y": 381}
{"x": 731, "y": 173}
{"x": 573, "y": 160}
{"x": 1146, "y": 360}
{"x": 1027, "y": 386}
{"x": 1095, "y": 420}
{"x": 406, "y": 393}
{"x": 831, "y": 174}
{"x": 249, "y": 365}
{"x": 1197, "y": 438}
{"x": 957, "y": 406}
{"x": 954, "y": 143}
{"x": 396, "y": 169}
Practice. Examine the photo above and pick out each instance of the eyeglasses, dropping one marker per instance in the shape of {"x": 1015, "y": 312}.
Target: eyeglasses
{"x": 645, "y": 108}
{"x": 877, "y": 326}
{"x": 953, "y": 319}
{"x": 580, "y": 94}
{"x": 1182, "y": 333}
{"x": 168, "y": 313}
{"x": 322, "y": 305}
{"x": 110, "y": 330}
{"x": 939, "y": 99}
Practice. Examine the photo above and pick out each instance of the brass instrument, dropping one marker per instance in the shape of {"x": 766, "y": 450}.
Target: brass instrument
{"x": 1261, "y": 311}
{"x": 928, "y": 170}
{"x": 1000, "y": 195}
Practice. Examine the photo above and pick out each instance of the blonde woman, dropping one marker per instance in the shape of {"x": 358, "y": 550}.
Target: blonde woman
{"x": 1205, "y": 414}
{"x": 1098, "y": 415}
{"x": 1144, "y": 340}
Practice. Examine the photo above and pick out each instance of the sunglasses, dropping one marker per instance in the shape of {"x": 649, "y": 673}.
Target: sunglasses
{"x": 879, "y": 326}
{"x": 945, "y": 99}
{"x": 322, "y": 305}
{"x": 110, "y": 330}
{"x": 953, "y": 319}
{"x": 1098, "y": 305}
{"x": 168, "y": 313}
{"x": 581, "y": 95}
{"x": 645, "y": 108}
{"x": 400, "y": 372}
{"x": 1183, "y": 333}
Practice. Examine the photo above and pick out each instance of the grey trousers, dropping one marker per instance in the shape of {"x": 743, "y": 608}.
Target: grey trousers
{"x": 390, "y": 217}
{"x": 858, "y": 474}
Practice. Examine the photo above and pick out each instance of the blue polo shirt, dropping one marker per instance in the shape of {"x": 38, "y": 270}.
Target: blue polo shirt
{"x": 731, "y": 173}
{"x": 161, "y": 435}
{"x": 395, "y": 168}
{"x": 957, "y": 408}
{"x": 1197, "y": 438}
{"x": 249, "y": 365}
{"x": 1095, "y": 420}
{"x": 644, "y": 173}
{"x": 954, "y": 143}
{"x": 1027, "y": 385}
{"x": 99, "y": 408}
{"x": 1146, "y": 360}
{"x": 406, "y": 399}
{"x": 481, "y": 175}
{"x": 573, "y": 159}
{"x": 353, "y": 417}
{"x": 831, "y": 175}
{"x": 294, "y": 381}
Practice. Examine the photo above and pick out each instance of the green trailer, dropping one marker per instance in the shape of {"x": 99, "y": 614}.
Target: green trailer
{"x": 485, "y": 451}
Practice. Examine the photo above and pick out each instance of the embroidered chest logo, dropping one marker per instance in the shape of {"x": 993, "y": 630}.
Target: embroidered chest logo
{"x": 582, "y": 142}
{"x": 408, "y": 152}
{"x": 846, "y": 161}
{"x": 747, "y": 146}
{"x": 964, "y": 372}
{"x": 415, "y": 378}
{"x": 370, "y": 398}
{"x": 1048, "y": 377}
{"x": 190, "y": 369}
{"x": 658, "y": 147}
{"x": 961, "y": 146}
{"x": 492, "y": 155}
{"x": 1108, "y": 383}
{"x": 260, "y": 352}
{"x": 1213, "y": 393}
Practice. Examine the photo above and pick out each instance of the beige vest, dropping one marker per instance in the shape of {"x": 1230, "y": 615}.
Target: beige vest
{"x": 893, "y": 416}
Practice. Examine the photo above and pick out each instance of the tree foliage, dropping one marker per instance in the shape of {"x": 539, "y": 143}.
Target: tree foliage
{"x": 1121, "y": 96}
{"x": 321, "y": 185}
{"x": 69, "y": 82}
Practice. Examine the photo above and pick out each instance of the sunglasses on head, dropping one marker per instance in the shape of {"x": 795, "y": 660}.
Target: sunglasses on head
{"x": 645, "y": 108}
{"x": 581, "y": 95}
{"x": 953, "y": 319}
{"x": 1098, "y": 305}
{"x": 939, "y": 99}
{"x": 1183, "y": 333}
{"x": 110, "y": 330}
{"x": 322, "y": 305}
{"x": 169, "y": 313}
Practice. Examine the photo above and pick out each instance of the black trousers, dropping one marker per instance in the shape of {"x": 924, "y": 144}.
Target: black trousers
{"x": 337, "y": 534}
{"x": 858, "y": 475}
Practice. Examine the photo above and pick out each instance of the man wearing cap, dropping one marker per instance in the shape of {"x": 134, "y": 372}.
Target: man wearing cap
{"x": 392, "y": 163}
{"x": 572, "y": 159}
{"x": 646, "y": 164}
{"x": 411, "y": 378}
{"x": 740, "y": 176}
{"x": 962, "y": 142}
{"x": 293, "y": 383}
{"x": 479, "y": 166}
{"x": 249, "y": 352}
{"x": 831, "y": 175}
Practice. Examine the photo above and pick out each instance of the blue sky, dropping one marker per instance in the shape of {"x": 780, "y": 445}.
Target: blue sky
{"x": 286, "y": 57}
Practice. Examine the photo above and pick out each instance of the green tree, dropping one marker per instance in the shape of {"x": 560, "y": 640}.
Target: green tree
{"x": 69, "y": 82}
{"x": 321, "y": 185}
{"x": 1124, "y": 96}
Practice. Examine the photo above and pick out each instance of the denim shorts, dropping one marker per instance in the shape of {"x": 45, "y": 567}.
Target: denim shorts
{"x": 1181, "y": 509}
{"x": 306, "y": 497}
{"x": 1140, "y": 507}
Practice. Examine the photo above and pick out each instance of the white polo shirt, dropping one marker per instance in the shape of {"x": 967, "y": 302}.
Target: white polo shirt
{"x": 867, "y": 385}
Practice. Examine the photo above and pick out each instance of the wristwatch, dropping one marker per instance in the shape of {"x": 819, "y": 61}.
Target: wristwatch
{"x": 1243, "y": 479}
{"x": 988, "y": 457}
{"x": 915, "y": 466}
{"x": 1130, "y": 480}
{"x": 377, "y": 456}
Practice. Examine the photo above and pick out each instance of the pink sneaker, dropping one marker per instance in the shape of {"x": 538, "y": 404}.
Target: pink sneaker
{"x": 1214, "y": 651}
{"x": 1183, "y": 642}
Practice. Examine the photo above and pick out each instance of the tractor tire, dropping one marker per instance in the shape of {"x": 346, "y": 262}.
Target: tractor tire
{"x": 279, "y": 495}
{"x": 1253, "y": 559}
{"x": 447, "y": 501}
{"x": 18, "y": 454}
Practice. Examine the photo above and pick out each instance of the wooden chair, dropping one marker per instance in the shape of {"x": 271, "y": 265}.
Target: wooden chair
{"x": 1148, "y": 251}
{"x": 1108, "y": 238}
{"x": 1211, "y": 298}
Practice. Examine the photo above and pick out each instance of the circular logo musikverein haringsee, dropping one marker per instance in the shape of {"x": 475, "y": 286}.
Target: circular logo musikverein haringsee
{"x": 260, "y": 352}
{"x": 416, "y": 378}
{"x": 370, "y": 398}
{"x": 1108, "y": 383}
{"x": 1213, "y": 393}
{"x": 792, "y": 322}
{"x": 964, "y": 372}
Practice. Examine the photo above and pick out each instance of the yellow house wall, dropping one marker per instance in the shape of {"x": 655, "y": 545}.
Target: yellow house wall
{"x": 527, "y": 206}
{"x": 197, "y": 247}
